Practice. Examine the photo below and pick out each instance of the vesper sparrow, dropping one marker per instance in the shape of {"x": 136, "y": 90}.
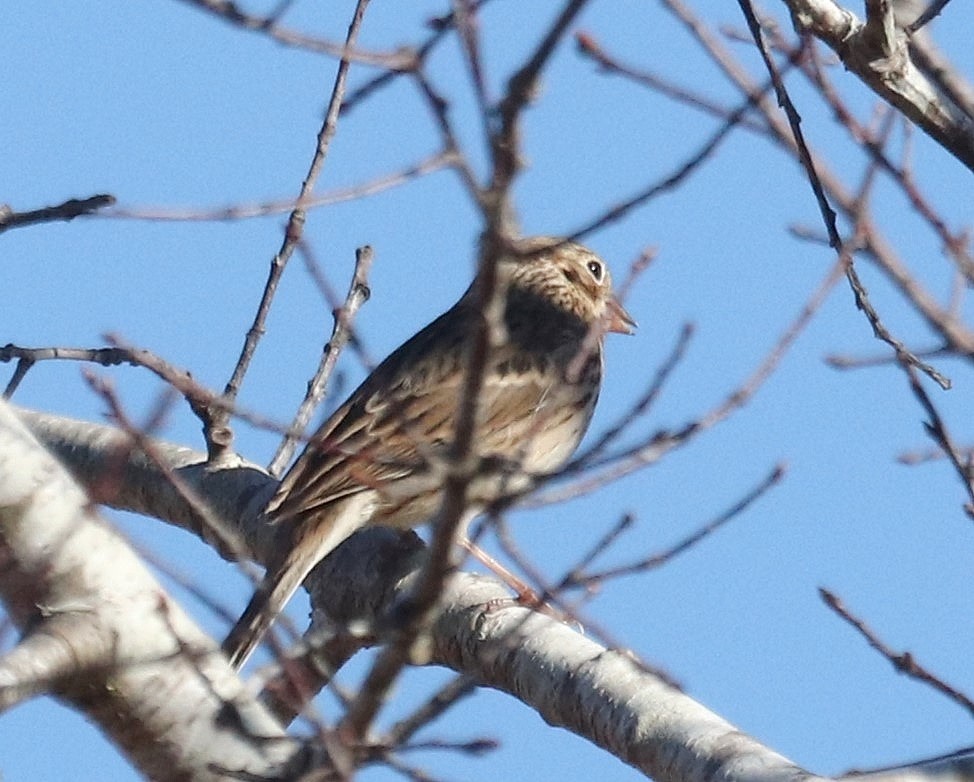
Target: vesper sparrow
{"x": 374, "y": 460}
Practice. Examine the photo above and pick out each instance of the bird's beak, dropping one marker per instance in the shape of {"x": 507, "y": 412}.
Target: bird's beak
{"x": 617, "y": 319}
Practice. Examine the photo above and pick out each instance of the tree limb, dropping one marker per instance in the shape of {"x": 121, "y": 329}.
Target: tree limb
{"x": 877, "y": 52}
{"x": 102, "y": 634}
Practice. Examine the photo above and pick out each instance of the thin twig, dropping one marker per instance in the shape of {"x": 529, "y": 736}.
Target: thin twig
{"x": 199, "y": 397}
{"x": 937, "y": 430}
{"x": 27, "y": 357}
{"x": 732, "y": 119}
{"x": 358, "y": 294}
{"x": 837, "y": 361}
{"x": 446, "y": 697}
{"x": 955, "y": 243}
{"x": 954, "y": 332}
{"x": 926, "y": 455}
{"x": 588, "y": 47}
{"x": 230, "y": 12}
{"x": 794, "y": 120}
{"x": 441, "y": 26}
{"x": 645, "y": 401}
{"x": 881, "y": 332}
{"x": 334, "y": 303}
{"x": 203, "y": 401}
{"x": 409, "y": 635}
{"x": 466, "y": 24}
{"x": 462, "y": 469}
{"x": 863, "y": 302}
{"x": 75, "y": 207}
{"x": 439, "y": 109}
{"x": 552, "y": 596}
{"x": 295, "y": 225}
{"x": 577, "y": 578}
{"x": 828, "y": 214}
{"x": 505, "y": 143}
{"x": 428, "y": 165}
{"x": 611, "y": 468}
{"x": 903, "y": 662}
{"x": 932, "y": 12}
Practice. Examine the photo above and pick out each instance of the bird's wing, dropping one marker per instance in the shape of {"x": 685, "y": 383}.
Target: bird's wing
{"x": 372, "y": 438}
{"x": 406, "y": 410}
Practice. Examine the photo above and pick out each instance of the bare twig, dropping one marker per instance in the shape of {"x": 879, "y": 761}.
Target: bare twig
{"x": 794, "y": 120}
{"x": 505, "y": 143}
{"x": 931, "y": 12}
{"x": 295, "y": 225}
{"x": 828, "y": 214}
{"x": 926, "y": 455}
{"x": 955, "y": 243}
{"x": 335, "y": 303}
{"x": 358, "y": 294}
{"x": 551, "y": 599}
{"x": 578, "y": 578}
{"x": 466, "y": 24}
{"x": 441, "y": 26}
{"x": 447, "y": 696}
{"x": 955, "y": 334}
{"x": 230, "y": 12}
{"x": 612, "y": 467}
{"x": 837, "y": 361}
{"x": 202, "y": 400}
{"x": 461, "y": 469}
{"x": 27, "y": 357}
{"x": 903, "y": 662}
{"x": 75, "y": 207}
{"x": 881, "y": 332}
{"x": 903, "y": 354}
{"x": 588, "y": 47}
{"x": 942, "y": 73}
{"x": 428, "y": 165}
{"x": 438, "y": 108}
{"x": 644, "y": 402}
{"x": 409, "y": 637}
{"x": 732, "y": 119}
{"x": 938, "y": 432}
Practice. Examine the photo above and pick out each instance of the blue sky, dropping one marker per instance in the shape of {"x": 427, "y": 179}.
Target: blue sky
{"x": 165, "y": 107}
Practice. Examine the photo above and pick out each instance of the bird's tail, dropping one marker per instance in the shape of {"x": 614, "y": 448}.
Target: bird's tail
{"x": 268, "y": 601}
{"x": 315, "y": 539}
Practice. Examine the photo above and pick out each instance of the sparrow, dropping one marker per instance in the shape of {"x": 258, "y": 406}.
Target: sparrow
{"x": 375, "y": 459}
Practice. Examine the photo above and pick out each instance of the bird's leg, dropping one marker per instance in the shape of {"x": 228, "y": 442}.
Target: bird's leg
{"x": 526, "y": 597}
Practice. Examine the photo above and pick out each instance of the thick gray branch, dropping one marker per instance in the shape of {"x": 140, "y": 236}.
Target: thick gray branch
{"x": 121, "y": 476}
{"x": 601, "y": 694}
{"x": 877, "y": 52}
{"x": 101, "y": 633}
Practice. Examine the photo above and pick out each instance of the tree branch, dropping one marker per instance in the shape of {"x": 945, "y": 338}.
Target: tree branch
{"x": 876, "y": 51}
{"x": 100, "y": 632}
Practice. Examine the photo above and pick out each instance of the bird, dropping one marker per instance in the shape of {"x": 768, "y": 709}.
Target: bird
{"x": 374, "y": 460}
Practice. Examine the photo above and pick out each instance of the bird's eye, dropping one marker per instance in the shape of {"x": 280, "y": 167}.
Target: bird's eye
{"x": 596, "y": 269}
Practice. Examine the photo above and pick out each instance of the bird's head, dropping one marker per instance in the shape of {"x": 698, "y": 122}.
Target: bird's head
{"x": 570, "y": 277}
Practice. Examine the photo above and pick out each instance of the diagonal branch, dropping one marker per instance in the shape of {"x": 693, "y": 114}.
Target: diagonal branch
{"x": 295, "y": 224}
{"x": 876, "y": 51}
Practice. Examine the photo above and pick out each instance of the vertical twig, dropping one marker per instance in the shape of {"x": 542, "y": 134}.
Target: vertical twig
{"x": 358, "y": 294}
{"x": 292, "y": 234}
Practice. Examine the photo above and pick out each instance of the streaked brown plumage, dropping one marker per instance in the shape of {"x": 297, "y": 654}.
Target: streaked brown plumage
{"x": 373, "y": 461}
